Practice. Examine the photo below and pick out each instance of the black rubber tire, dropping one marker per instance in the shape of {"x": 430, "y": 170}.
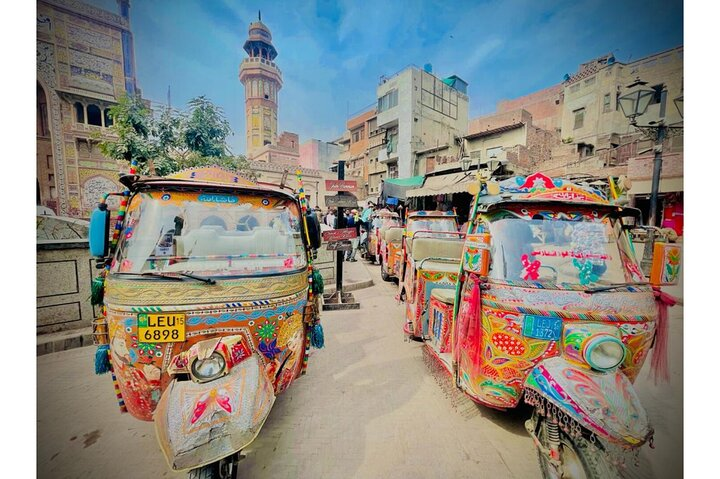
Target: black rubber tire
{"x": 211, "y": 471}
{"x": 595, "y": 465}
{"x": 383, "y": 272}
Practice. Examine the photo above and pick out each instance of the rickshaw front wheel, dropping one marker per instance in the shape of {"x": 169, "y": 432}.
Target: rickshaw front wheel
{"x": 579, "y": 459}
{"x": 223, "y": 469}
{"x": 211, "y": 471}
{"x": 383, "y": 271}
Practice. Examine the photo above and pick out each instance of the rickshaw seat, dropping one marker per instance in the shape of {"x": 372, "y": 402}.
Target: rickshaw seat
{"x": 447, "y": 296}
{"x": 393, "y": 235}
{"x": 422, "y": 248}
{"x": 441, "y": 266}
{"x": 210, "y": 242}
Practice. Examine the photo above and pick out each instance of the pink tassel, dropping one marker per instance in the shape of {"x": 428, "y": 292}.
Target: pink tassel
{"x": 659, "y": 363}
{"x": 471, "y": 342}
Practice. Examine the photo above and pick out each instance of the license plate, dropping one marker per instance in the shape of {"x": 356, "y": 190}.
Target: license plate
{"x": 542, "y": 327}
{"x": 161, "y": 328}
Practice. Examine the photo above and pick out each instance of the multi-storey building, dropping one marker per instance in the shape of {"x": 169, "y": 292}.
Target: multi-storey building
{"x": 318, "y": 154}
{"x": 356, "y": 161}
{"x": 581, "y": 122}
{"x": 419, "y": 111}
{"x": 510, "y": 137}
{"x": 85, "y": 63}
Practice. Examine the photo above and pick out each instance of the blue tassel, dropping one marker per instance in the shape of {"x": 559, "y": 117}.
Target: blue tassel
{"x": 317, "y": 338}
{"x": 102, "y": 359}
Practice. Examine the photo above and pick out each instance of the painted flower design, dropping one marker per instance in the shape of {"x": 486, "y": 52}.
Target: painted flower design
{"x": 266, "y": 330}
{"x": 269, "y": 349}
{"x": 147, "y": 349}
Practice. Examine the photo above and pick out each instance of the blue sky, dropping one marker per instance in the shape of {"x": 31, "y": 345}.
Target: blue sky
{"x": 333, "y": 53}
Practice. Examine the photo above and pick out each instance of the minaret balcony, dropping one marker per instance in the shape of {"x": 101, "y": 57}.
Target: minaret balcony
{"x": 255, "y": 60}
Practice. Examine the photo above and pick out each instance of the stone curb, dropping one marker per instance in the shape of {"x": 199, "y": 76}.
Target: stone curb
{"x": 351, "y": 287}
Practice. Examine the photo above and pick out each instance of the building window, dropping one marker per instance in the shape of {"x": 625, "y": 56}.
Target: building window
{"x": 388, "y": 100}
{"x": 438, "y": 96}
{"x": 108, "y": 118}
{"x": 356, "y": 136}
{"x": 579, "y": 118}
{"x": 606, "y": 103}
{"x": 94, "y": 116}
{"x": 79, "y": 112}
{"x": 494, "y": 152}
{"x": 585, "y": 150}
{"x": 657, "y": 97}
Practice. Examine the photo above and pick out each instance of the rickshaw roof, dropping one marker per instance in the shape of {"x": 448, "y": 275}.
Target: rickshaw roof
{"x": 541, "y": 188}
{"x": 386, "y": 214}
{"x": 208, "y": 177}
{"x": 426, "y": 214}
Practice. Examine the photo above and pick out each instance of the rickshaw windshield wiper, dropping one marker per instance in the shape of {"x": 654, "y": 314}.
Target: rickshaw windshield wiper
{"x": 157, "y": 274}
{"x": 613, "y": 286}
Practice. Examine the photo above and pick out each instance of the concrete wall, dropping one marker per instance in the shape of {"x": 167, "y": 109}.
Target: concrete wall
{"x": 64, "y": 272}
{"x": 545, "y": 106}
{"x": 497, "y": 120}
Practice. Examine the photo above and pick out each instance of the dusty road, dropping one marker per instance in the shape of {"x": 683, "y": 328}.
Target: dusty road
{"x": 369, "y": 407}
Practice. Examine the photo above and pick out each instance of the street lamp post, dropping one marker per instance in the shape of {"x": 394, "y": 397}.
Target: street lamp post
{"x": 635, "y": 104}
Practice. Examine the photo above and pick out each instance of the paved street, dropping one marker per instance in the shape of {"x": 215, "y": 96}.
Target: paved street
{"x": 369, "y": 407}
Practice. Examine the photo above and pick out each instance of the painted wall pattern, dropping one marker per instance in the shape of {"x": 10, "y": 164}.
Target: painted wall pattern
{"x": 79, "y": 50}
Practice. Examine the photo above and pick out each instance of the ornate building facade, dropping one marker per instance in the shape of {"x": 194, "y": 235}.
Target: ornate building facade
{"x": 85, "y": 63}
{"x": 262, "y": 80}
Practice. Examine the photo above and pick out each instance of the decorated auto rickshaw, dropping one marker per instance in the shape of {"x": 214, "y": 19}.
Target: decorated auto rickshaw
{"x": 210, "y": 306}
{"x": 381, "y": 220}
{"x": 431, "y": 270}
{"x": 391, "y": 247}
{"x": 551, "y": 306}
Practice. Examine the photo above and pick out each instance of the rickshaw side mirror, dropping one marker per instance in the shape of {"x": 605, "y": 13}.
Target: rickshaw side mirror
{"x": 99, "y": 231}
{"x": 476, "y": 254}
{"x": 314, "y": 232}
{"x": 665, "y": 268}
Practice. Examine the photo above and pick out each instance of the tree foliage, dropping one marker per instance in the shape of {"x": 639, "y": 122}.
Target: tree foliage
{"x": 170, "y": 141}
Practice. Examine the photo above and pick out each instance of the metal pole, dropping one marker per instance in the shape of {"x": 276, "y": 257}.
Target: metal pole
{"x": 646, "y": 263}
{"x": 340, "y": 224}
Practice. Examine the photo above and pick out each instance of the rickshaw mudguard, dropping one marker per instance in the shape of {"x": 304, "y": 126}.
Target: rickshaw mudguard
{"x": 198, "y": 424}
{"x": 604, "y": 403}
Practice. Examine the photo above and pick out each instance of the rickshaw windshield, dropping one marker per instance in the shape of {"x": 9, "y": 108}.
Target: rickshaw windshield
{"x": 210, "y": 234}
{"x": 438, "y": 224}
{"x": 575, "y": 249}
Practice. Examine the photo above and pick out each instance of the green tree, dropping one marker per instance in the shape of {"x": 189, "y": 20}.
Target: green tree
{"x": 172, "y": 140}
{"x": 132, "y": 125}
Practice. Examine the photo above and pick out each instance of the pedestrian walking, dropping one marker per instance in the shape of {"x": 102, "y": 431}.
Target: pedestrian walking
{"x": 330, "y": 219}
{"x": 353, "y": 222}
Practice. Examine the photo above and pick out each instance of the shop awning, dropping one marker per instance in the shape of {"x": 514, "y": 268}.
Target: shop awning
{"x": 443, "y": 184}
{"x": 397, "y": 187}
{"x": 667, "y": 185}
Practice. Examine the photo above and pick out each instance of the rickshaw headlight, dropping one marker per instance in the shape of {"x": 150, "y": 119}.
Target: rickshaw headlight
{"x": 604, "y": 352}
{"x": 209, "y": 368}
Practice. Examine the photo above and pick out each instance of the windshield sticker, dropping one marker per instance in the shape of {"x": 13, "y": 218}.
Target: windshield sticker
{"x": 572, "y": 254}
{"x": 530, "y": 269}
{"x": 207, "y": 198}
